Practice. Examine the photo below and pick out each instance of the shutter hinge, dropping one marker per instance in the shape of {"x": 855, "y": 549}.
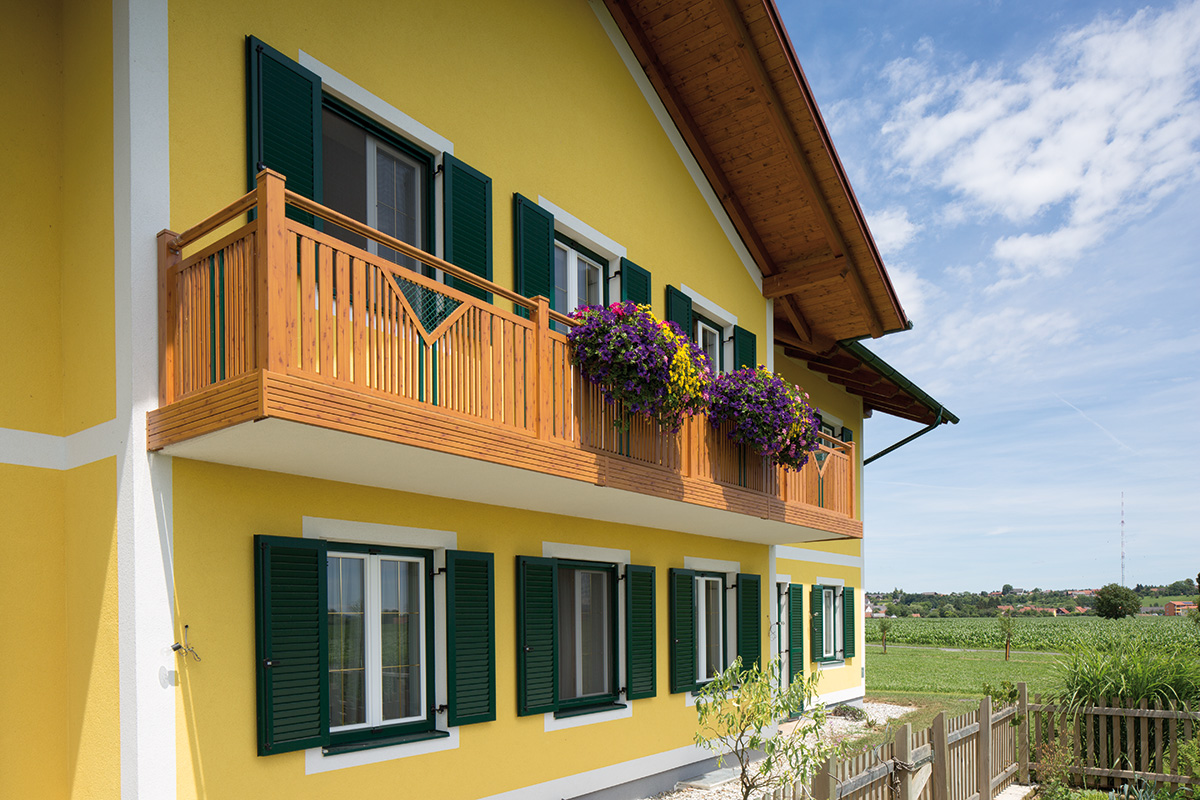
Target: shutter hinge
{"x": 270, "y": 662}
{"x": 442, "y": 709}
{"x": 433, "y": 573}
{"x": 441, "y": 167}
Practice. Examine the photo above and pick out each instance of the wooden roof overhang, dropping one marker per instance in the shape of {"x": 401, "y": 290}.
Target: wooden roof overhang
{"x": 728, "y": 75}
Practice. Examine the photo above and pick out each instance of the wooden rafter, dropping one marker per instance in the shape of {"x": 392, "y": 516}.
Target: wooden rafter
{"x": 805, "y": 273}
{"x": 757, "y": 71}
{"x": 688, "y": 128}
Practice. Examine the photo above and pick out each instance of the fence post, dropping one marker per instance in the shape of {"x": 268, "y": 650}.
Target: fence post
{"x": 940, "y": 739}
{"x": 271, "y": 273}
{"x": 825, "y": 785}
{"x": 541, "y": 318}
{"x": 167, "y": 311}
{"x": 983, "y": 750}
{"x": 1023, "y": 732}
{"x": 903, "y": 753}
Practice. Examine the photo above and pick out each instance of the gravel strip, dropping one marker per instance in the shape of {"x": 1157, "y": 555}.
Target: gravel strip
{"x": 837, "y": 728}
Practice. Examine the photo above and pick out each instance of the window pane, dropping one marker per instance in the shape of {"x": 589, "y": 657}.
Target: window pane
{"x": 712, "y": 627}
{"x": 347, "y": 669}
{"x": 397, "y": 202}
{"x": 344, "y": 173}
{"x": 588, "y": 283}
{"x": 829, "y": 620}
{"x": 559, "y": 301}
{"x": 400, "y": 637}
{"x": 584, "y": 633}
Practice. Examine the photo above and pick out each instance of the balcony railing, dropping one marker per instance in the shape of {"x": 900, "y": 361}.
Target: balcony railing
{"x": 279, "y": 319}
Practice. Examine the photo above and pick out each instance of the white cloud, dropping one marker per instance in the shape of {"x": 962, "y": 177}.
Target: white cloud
{"x": 893, "y": 230}
{"x": 1087, "y": 134}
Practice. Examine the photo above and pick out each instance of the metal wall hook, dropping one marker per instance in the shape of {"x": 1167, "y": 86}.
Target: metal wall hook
{"x": 185, "y": 648}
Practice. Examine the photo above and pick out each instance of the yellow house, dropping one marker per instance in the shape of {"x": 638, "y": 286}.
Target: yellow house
{"x": 305, "y": 496}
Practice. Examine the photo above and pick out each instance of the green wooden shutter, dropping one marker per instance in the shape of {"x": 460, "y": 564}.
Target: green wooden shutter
{"x": 537, "y": 635}
{"x": 679, "y": 311}
{"x": 291, "y": 643}
{"x": 635, "y": 283}
{"x": 849, "y": 614}
{"x": 795, "y": 630}
{"x": 471, "y": 636}
{"x": 818, "y": 623}
{"x": 467, "y": 217}
{"x": 749, "y": 618}
{"x": 847, "y": 435}
{"x": 284, "y": 121}
{"x": 745, "y": 348}
{"x": 533, "y": 235}
{"x": 640, "y": 645}
{"x": 683, "y": 630}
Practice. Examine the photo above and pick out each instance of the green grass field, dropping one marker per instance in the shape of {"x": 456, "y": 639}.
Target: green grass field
{"x": 906, "y": 674}
{"x": 1054, "y": 634}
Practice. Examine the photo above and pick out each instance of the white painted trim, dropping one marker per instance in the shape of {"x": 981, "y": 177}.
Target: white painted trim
{"x": 141, "y": 206}
{"x": 359, "y": 98}
{"x": 676, "y": 139}
{"x": 780, "y": 578}
{"x": 711, "y": 564}
{"x": 770, "y": 335}
{"x": 568, "y": 224}
{"x": 377, "y": 533}
{"x": 830, "y": 581}
{"x": 708, "y": 307}
{"x": 580, "y": 552}
{"x": 843, "y": 695}
{"x": 47, "y": 451}
{"x": 551, "y": 723}
{"x": 316, "y": 762}
{"x": 613, "y": 775}
{"x": 818, "y": 556}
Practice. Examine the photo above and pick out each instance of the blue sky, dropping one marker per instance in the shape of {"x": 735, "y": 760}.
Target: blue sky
{"x": 1031, "y": 173}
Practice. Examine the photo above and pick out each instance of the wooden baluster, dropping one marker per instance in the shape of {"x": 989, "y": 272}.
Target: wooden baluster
{"x": 274, "y": 315}
{"x": 168, "y": 260}
{"x": 541, "y": 369}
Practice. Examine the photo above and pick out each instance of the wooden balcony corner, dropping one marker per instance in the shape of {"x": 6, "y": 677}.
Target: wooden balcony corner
{"x": 278, "y": 320}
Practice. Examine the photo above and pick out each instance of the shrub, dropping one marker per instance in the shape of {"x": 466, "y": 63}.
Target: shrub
{"x": 767, "y": 413}
{"x": 647, "y": 366}
{"x": 1139, "y": 670}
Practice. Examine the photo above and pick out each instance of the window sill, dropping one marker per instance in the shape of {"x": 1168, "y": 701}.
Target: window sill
{"x": 407, "y": 738}
{"x": 580, "y": 711}
{"x": 833, "y": 663}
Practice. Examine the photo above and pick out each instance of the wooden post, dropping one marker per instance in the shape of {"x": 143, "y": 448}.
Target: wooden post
{"x": 983, "y": 750}
{"x": 543, "y": 380}
{"x": 271, "y": 274}
{"x": 825, "y": 785}
{"x": 167, "y": 313}
{"x": 1023, "y": 732}
{"x": 903, "y": 753}
{"x": 940, "y": 739}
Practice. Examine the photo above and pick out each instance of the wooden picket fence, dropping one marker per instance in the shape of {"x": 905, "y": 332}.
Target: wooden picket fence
{"x": 1116, "y": 742}
{"x": 950, "y": 760}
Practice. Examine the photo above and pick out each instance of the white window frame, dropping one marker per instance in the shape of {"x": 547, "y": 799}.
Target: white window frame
{"x": 373, "y": 639}
{"x": 702, "y": 664}
{"x": 573, "y": 259}
{"x": 374, "y": 145}
{"x": 702, "y": 305}
{"x": 611, "y": 575}
{"x": 574, "y": 228}
{"x": 833, "y": 624}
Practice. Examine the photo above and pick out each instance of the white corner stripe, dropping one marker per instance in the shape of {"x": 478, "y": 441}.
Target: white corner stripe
{"x": 817, "y": 556}
{"x": 45, "y": 451}
{"x": 672, "y": 132}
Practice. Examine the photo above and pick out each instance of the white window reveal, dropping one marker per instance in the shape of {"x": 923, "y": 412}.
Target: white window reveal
{"x": 585, "y": 633}
{"x": 710, "y": 639}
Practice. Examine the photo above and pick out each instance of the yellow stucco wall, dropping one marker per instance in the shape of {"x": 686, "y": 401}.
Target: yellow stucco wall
{"x": 217, "y": 512}
{"x": 808, "y": 573}
{"x": 538, "y": 100}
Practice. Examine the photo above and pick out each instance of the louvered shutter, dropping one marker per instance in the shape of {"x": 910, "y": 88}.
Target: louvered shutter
{"x": 467, "y": 207}
{"x": 683, "y": 629}
{"x": 849, "y": 615}
{"x": 745, "y": 348}
{"x": 291, "y": 643}
{"x": 533, "y": 237}
{"x": 847, "y": 435}
{"x": 749, "y": 618}
{"x": 284, "y": 125}
{"x": 635, "y": 283}
{"x": 537, "y": 636}
{"x": 679, "y": 311}
{"x": 471, "y": 636}
{"x": 818, "y": 623}
{"x": 640, "y": 661}
{"x": 796, "y": 630}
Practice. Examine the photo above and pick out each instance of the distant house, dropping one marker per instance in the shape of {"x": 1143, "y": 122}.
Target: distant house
{"x": 1179, "y": 608}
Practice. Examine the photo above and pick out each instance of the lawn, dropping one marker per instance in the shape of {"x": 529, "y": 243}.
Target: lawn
{"x": 914, "y": 672}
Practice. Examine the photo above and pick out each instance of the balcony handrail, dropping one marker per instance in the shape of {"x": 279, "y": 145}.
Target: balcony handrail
{"x": 227, "y": 214}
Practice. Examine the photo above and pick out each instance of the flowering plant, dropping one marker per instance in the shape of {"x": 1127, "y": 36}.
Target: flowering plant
{"x": 767, "y": 413}
{"x": 646, "y": 365}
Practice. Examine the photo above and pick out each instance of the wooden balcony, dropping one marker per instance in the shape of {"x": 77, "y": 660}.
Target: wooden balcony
{"x": 280, "y": 322}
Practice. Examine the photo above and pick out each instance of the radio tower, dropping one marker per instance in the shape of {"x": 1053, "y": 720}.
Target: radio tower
{"x": 1122, "y": 538}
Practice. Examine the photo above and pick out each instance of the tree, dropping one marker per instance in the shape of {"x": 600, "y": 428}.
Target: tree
{"x": 1007, "y": 627}
{"x": 885, "y": 625}
{"x": 738, "y": 710}
{"x": 1115, "y": 601}
{"x": 1008, "y": 589}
